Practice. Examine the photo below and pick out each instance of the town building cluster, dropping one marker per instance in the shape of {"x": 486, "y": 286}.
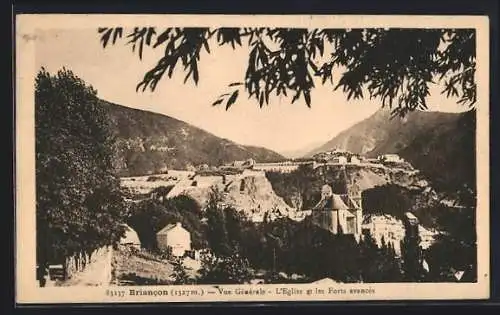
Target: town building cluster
{"x": 173, "y": 239}
{"x": 333, "y": 157}
{"x": 339, "y": 213}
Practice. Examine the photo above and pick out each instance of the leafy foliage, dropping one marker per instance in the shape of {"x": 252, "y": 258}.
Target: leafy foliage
{"x": 301, "y": 188}
{"x": 389, "y": 199}
{"x": 292, "y": 247}
{"x": 79, "y": 203}
{"x": 224, "y": 227}
{"x": 395, "y": 66}
{"x": 378, "y": 264}
{"x": 180, "y": 274}
{"x": 217, "y": 235}
{"x": 225, "y": 262}
{"x": 303, "y": 248}
{"x": 225, "y": 269}
{"x": 455, "y": 250}
{"x": 411, "y": 253}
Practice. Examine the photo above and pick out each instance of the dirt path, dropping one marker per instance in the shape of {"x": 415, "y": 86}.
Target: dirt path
{"x": 97, "y": 273}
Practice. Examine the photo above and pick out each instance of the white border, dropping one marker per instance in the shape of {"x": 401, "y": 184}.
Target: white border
{"x": 27, "y": 290}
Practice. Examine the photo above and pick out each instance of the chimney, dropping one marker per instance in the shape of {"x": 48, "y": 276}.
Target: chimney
{"x": 178, "y": 224}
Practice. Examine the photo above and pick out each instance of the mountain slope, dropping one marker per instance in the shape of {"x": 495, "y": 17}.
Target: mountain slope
{"x": 380, "y": 134}
{"x": 446, "y": 154}
{"x": 148, "y": 143}
{"x": 441, "y": 145}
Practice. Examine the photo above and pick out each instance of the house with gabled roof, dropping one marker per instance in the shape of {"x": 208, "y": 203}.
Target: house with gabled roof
{"x": 174, "y": 238}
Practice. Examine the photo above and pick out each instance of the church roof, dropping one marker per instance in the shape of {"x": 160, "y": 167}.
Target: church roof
{"x": 337, "y": 202}
{"x": 322, "y": 204}
{"x": 351, "y": 203}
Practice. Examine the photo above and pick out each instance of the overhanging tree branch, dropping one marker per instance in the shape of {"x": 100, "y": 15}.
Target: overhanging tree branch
{"x": 396, "y": 66}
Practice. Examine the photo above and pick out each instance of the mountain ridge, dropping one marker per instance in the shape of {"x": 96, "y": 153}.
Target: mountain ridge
{"x": 149, "y": 142}
{"x": 360, "y": 137}
{"x": 440, "y": 144}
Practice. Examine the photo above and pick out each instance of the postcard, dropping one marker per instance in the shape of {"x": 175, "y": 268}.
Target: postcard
{"x": 251, "y": 158}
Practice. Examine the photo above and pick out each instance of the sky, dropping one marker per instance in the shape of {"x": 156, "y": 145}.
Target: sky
{"x": 284, "y": 127}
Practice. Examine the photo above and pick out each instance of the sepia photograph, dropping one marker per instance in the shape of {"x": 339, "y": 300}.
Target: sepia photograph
{"x": 251, "y": 158}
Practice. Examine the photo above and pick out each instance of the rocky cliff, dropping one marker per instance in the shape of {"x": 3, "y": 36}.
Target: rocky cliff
{"x": 301, "y": 189}
{"x": 250, "y": 192}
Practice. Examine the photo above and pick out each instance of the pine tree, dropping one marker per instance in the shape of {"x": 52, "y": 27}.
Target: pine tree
{"x": 234, "y": 224}
{"x": 266, "y": 218}
{"x": 383, "y": 244}
{"x": 411, "y": 253}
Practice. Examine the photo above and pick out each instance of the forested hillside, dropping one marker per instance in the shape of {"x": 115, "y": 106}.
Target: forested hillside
{"x": 148, "y": 143}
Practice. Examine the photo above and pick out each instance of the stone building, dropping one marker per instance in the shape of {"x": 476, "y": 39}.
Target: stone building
{"x": 385, "y": 227}
{"x": 174, "y": 238}
{"x": 339, "y": 213}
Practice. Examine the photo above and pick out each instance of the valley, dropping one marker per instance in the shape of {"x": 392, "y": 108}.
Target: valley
{"x": 266, "y": 194}
{"x": 244, "y": 214}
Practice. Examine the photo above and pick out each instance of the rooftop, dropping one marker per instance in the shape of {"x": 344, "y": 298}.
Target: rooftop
{"x": 169, "y": 227}
{"x": 337, "y": 202}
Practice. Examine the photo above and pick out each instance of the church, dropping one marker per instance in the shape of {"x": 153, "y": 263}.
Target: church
{"x": 339, "y": 213}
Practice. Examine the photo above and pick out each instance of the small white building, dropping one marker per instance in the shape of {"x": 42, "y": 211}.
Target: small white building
{"x": 339, "y": 160}
{"x": 354, "y": 160}
{"x": 390, "y": 158}
{"x": 174, "y": 237}
{"x": 387, "y": 227}
{"x": 393, "y": 230}
{"x": 131, "y": 238}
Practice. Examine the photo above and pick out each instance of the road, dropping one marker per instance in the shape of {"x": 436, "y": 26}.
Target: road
{"x": 97, "y": 273}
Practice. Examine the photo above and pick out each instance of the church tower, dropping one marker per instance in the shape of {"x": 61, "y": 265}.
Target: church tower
{"x": 339, "y": 210}
{"x": 327, "y": 218}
